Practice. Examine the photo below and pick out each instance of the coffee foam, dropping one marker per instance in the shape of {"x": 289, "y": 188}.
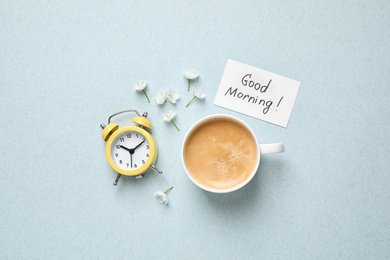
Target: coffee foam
{"x": 220, "y": 153}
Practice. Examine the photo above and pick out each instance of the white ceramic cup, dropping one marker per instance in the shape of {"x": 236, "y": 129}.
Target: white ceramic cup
{"x": 261, "y": 149}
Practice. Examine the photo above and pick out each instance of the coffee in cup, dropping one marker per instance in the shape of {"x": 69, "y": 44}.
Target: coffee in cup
{"x": 220, "y": 153}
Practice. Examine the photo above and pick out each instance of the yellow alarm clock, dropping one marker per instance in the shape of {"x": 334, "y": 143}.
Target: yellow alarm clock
{"x": 130, "y": 150}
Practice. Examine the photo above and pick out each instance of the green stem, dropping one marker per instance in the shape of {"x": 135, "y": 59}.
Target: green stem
{"x": 168, "y": 190}
{"x": 146, "y": 95}
{"x": 190, "y": 101}
{"x": 175, "y": 125}
{"x": 189, "y": 81}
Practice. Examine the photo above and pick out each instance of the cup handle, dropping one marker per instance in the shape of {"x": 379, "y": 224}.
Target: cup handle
{"x": 271, "y": 148}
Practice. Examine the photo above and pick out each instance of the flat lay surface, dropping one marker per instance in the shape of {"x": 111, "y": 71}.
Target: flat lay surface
{"x": 66, "y": 66}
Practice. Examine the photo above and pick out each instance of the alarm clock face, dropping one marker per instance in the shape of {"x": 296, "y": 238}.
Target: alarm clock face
{"x": 130, "y": 150}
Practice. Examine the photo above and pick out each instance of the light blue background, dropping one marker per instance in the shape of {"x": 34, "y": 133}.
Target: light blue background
{"x": 65, "y": 66}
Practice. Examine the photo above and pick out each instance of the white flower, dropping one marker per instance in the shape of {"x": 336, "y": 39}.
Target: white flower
{"x": 198, "y": 93}
{"x": 160, "y": 99}
{"x": 172, "y": 95}
{"x": 141, "y": 85}
{"x": 191, "y": 74}
{"x": 169, "y": 116}
{"x": 162, "y": 197}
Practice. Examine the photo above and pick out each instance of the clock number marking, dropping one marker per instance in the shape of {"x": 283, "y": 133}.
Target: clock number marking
{"x": 143, "y": 162}
{"x": 135, "y": 165}
{"x": 116, "y": 155}
{"x": 147, "y": 155}
{"x": 122, "y": 139}
{"x": 136, "y": 135}
{"x": 147, "y": 146}
{"x": 129, "y": 136}
{"x": 120, "y": 161}
{"x": 118, "y": 146}
{"x": 127, "y": 165}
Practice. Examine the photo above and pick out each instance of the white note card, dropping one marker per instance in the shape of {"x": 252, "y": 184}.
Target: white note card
{"x": 257, "y": 93}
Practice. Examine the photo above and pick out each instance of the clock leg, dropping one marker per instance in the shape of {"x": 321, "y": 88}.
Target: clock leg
{"x": 116, "y": 180}
{"x": 156, "y": 169}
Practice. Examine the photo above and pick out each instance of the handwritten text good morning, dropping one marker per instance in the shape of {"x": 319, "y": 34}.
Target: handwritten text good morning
{"x": 257, "y": 93}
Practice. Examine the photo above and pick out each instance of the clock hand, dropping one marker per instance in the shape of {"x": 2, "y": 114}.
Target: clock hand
{"x": 127, "y": 149}
{"x": 139, "y": 145}
{"x": 131, "y": 159}
{"x": 131, "y": 151}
